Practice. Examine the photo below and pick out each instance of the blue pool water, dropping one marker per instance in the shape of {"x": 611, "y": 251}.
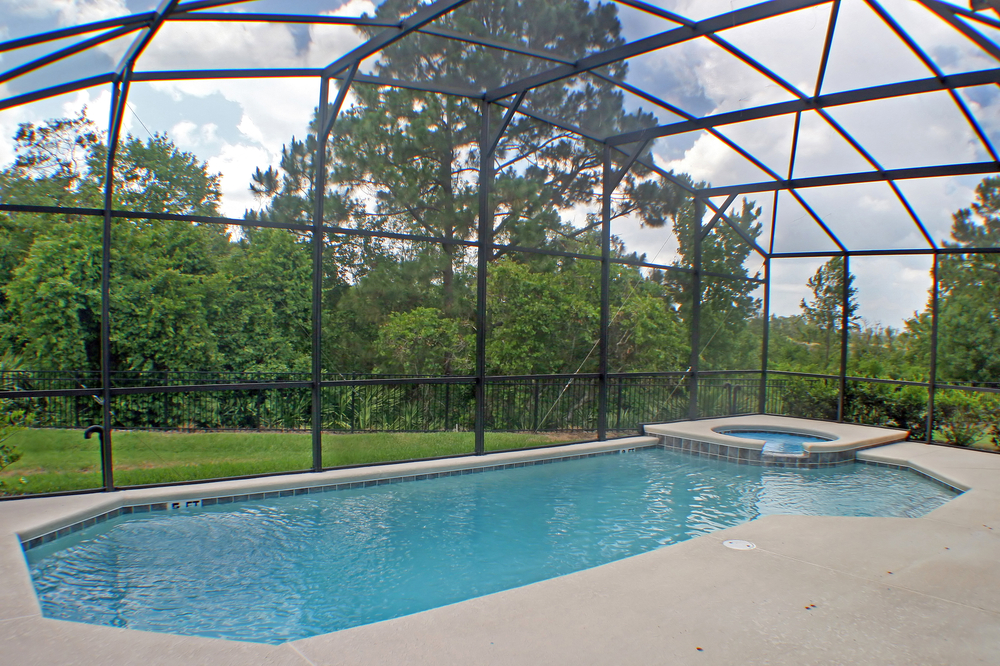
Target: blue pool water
{"x": 299, "y": 566}
{"x": 777, "y": 442}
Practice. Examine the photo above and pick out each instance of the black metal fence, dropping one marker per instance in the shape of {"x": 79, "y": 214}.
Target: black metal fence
{"x": 370, "y": 403}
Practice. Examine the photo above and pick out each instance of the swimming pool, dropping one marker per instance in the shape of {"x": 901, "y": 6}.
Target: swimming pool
{"x": 304, "y": 565}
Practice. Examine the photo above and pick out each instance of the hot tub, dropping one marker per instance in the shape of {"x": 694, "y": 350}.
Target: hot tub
{"x": 823, "y": 443}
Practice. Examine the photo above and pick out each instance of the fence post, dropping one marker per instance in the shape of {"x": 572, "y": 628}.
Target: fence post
{"x": 447, "y": 404}
{"x": 534, "y": 419}
{"x": 618, "y": 414}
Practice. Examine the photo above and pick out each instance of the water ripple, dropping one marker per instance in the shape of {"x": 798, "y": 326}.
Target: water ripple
{"x": 300, "y": 566}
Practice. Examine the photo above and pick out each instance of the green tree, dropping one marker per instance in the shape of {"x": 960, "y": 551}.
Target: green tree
{"x": 422, "y": 341}
{"x": 407, "y": 160}
{"x": 727, "y": 304}
{"x": 824, "y": 312}
{"x": 969, "y": 297}
{"x": 183, "y": 296}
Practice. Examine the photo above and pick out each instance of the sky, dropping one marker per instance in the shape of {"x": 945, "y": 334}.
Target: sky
{"x": 237, "y": 126}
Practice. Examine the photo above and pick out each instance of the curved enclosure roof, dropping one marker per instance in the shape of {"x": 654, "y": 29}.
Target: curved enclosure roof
{"x": 855, "y": 125}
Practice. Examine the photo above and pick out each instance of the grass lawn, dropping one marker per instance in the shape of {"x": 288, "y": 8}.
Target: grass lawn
{"x": 60, "y": 460}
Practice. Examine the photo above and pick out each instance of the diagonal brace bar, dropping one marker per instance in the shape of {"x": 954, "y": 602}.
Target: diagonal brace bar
{"x": 719, "y": 214}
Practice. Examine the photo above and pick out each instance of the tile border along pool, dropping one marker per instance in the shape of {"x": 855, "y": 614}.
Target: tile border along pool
{"x": 816, "y": 590}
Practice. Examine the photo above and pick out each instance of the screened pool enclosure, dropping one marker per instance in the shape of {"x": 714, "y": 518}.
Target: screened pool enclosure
{"x": 556, "y": 219}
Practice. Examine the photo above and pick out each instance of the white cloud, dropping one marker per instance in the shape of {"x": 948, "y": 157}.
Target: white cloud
{"x": 182, "y": 134}
{"x": 235, "y": 163}
{"x": 68, "y": 12}
{"x": 98, "y": 108}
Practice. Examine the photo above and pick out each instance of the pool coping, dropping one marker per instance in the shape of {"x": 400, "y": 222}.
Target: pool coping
{"x": 34, "y": 639}
{"x": 166, "y": 498}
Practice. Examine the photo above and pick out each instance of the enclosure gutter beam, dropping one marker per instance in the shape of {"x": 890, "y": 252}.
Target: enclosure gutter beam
{"x": 610, "y": 182}
{"x": 327, "y": 117}
{"x": 762, "y": 395}
{"x": 419, "y": 19}
{"x": 845, "y": 320}
{"x": 485, "y": 238}
{"x": 932, "y": 370}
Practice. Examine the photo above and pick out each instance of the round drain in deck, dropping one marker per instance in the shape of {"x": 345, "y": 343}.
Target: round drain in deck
{"x": 739, "y": 544}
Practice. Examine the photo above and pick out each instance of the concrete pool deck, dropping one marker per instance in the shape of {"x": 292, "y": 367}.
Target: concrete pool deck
{"x": 816, "y": 590}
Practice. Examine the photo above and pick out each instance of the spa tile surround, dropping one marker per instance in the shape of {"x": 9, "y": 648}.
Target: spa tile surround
{"x": 703, "y": 439}
{"x": 746, "y": 456}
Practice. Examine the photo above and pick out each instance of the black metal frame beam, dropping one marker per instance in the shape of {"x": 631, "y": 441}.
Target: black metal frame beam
{"x": 765, "y": 337}
{"x": 484, "y": 235}
{"x": 639, "y": 47}
{"x": 845, "y": 330}
{"x": 932, "y": 369}
{"x": 695, "y": 332}
{"x": 830, "y": 100}
{"x": 327, "y": 116}
{"x": 66, "y": 52}
{"x": 364, "y": 233}
{"x": 938, "y": 171}
{"x": 389, "y": 36}
{"x": 422, "y": 21}
{"x": 609, "y": 182}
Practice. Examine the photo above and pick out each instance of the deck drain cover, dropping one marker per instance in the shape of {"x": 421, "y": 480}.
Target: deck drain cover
{"x": 739, "y": 544}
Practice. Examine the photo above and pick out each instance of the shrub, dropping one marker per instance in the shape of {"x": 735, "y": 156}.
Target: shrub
{"x": 10, "y": 421}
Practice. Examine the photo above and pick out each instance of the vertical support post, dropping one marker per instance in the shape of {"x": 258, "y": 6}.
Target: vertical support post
{"x": 535, "y": 407}
{"x": 845, "y": 320}
{"x": 119, "y": 96}
{"x": 607, "y": 188}
{"x": 699, "y": 208}
{"x": 932, "y": 370}
{"x": 319, "y": 193}
{"x": 762, "y": 395}
{"x": 485, "y": 238}
{"x": 325, "y": 118}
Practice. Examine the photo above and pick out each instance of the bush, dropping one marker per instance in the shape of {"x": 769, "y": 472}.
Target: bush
{"x": 11, "y": 420}
{"x": 964, "y": 419}
{"x": 887, "y": 405}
